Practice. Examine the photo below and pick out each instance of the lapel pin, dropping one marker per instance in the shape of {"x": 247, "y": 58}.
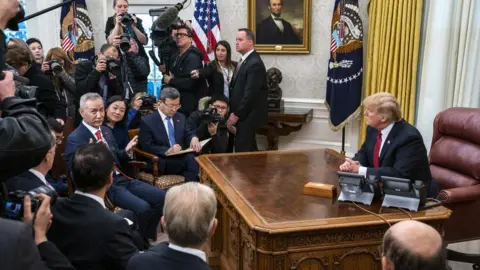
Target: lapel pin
{"x": 388, "y": 142}
{"x": 178, "y": 121}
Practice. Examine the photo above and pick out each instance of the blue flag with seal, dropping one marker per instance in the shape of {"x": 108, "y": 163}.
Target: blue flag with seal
{"x": 345, "y": 67}
{"x": 76, "y": 33}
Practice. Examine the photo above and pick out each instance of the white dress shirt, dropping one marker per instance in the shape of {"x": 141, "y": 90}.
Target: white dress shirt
{"x": 363, "y": 170}
{"x": 246, "y": 55}
{"x": 94, "y": 132}
{"x": 191, "y": 251}
{"x": 40, "y": 176}
{"x": 165, "y": 123}
{"x": 91, "y": 196}
{"x": 279, "y": 23}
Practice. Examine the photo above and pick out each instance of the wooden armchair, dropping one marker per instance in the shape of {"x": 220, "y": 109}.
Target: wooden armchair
{"x": 155, "y": 178}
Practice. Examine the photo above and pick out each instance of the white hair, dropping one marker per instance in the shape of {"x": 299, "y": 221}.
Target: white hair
{"x": 189, "y": 213}
{"x": 88, "y": 96}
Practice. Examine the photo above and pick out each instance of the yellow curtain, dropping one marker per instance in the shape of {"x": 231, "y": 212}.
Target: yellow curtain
{"x": 392, "y": 52}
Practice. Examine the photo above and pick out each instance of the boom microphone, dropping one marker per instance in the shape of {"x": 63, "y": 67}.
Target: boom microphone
{"x": 169, "y": 16}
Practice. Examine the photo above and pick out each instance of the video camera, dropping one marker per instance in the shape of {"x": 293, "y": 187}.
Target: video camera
{"x": 13, "y": 208}
{"x": 211, "y": 115}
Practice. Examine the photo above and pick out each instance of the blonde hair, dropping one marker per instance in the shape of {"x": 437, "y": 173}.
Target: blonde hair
{"x": 384, "y": 104}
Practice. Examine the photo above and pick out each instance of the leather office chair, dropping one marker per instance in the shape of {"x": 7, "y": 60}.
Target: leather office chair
{"x": 455, "y": 165}
{"x": 155, "y": 178}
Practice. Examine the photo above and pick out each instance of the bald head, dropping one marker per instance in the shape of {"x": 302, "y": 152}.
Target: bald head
{"x": 413, "y": 245}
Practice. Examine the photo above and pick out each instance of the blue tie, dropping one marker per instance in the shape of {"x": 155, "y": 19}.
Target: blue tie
{"x": 171, "y": 131}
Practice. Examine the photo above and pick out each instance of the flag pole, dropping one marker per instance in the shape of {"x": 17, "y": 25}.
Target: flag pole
{"x": 343, "y": 141}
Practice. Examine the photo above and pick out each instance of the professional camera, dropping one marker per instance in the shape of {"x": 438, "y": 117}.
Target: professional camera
{"x": 26, "y": 91}
{"x": 14, "y": 202}
{"x": 148, "y": 101}
{"x": 113, "y": 66}
{"x": 211, "y": 115}
{"x": 127, "y": 19}
{"x": 124, "y": 43}
{"x": 55, "y": 66}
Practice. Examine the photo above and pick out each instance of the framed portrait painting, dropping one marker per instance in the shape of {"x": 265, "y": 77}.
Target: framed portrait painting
{"x": 281, "y": 26}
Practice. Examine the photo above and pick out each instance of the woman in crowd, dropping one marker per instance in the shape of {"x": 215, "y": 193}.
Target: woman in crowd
{"x": 36, "y": 48}
{"x": 218, "y": 72}
{"x": 49, "y": 103}
{"x": 114, "y": 26}
{"x": 62, "y": 77}
{"x": 16, "y": 42}
{"x": 116, "y": 120}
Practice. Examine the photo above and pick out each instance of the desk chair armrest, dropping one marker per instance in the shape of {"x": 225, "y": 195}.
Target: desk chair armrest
{"x": 138, "y": 164}
{"x": 461, "y": 194}
{"x": 152, "y": 157}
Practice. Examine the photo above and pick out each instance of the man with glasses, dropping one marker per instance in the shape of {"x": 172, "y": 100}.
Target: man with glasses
{"x": 201, "y": 124}
{"x": 187, "y": 58}
{"x": 164, "y": 133}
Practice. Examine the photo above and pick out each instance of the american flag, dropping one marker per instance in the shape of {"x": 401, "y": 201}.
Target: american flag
{"x": 206, "y": 27}
{"x": 67, "y": 43}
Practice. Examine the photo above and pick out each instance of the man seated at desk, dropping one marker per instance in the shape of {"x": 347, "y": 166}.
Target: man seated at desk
{"x": 392, "y": 146}
{"x": 164, "y": 132}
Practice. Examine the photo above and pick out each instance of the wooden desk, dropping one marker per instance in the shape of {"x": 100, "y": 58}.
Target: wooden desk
{"x": 265, "y": 221}
{"x": 277, "y": 124}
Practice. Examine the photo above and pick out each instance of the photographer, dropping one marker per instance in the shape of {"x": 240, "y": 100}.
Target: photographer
{"x": 211, "y": 123}
{"x": 101, "y": 76}
{"x": 123, "y": 23}
{"x": 187, "y": 59}
{"x": 49, "y": 103}
{"x": 60, "y": 70}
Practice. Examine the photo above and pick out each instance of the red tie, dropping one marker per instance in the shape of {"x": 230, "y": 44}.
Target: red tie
{"x": 99, "y": 135}
{"x": 99, "y": 138}
{"x": 376, "y": 151}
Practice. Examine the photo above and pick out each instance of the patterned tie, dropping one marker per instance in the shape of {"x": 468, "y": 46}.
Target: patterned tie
{"x": 376, "y": 151}
{"x": 171, "y": 131}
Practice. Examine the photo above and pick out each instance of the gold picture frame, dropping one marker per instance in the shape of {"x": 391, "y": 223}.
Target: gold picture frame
{"x": 295, "y": 15}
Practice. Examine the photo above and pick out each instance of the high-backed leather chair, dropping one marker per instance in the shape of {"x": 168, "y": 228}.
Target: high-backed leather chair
{"x": 455, "y": 165}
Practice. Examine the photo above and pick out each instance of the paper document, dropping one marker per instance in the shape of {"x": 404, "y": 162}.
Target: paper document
{"x": 189, "y": 150}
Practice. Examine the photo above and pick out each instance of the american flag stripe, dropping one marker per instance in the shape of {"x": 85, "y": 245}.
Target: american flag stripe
{"x": 333, "y": 44}
{"x": 67, "y": 44}
{"x": 206, "y": 27}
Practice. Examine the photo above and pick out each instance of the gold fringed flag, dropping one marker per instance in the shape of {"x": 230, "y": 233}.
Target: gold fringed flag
{"x": 76, "y": 33}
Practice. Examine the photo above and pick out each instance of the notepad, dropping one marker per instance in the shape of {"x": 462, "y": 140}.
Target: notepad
{"x": 189, "y": 150}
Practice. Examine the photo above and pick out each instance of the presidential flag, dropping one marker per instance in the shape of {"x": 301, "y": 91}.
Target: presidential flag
{"x": 76, "y": 33}
{"x": 206, "y": 27}
{"x": 345, "y": 67}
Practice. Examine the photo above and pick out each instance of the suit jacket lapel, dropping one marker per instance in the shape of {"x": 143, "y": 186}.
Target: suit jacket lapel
{"x": 389, "y": 140}
{"x": 162, "y": 126}
{"x": 235, "y": 74}
{"x": 111, "y": 144}
{"x": 86, "y": 132}
{"x": 177, "y": 129}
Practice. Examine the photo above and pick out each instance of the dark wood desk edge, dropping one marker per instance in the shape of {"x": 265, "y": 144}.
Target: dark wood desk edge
{"x": 255, "y": 221}
{"x": 329, "y": 150}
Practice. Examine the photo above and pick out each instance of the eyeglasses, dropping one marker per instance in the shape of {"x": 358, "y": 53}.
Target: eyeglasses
{"x": 180, "y": 35}
{"x": 173, "y": 107}
{"x": 219, "y": 107}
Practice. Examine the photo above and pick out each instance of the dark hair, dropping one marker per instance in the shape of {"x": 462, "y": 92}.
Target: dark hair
{"x": 225, "y": 44}
{"x": 189, "y": 31}
{"x": 249, "y": 33}
{"x": 92, "y": 166}
{"x": 404, "y": 259}
{"x": 17, "y": 57}
{"x": 269, "y": 2}
{"x": 216, "y": 98}
{"x": 54, "y": 125}
{"x": 33, "y": 40}
{"x": 105, "y": 47}
{"x": 112, "y": 100}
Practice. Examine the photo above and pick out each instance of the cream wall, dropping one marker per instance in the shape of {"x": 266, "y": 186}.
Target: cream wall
{"x": 304, "y": 76}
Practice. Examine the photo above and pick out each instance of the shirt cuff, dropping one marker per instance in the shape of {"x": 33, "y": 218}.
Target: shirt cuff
{"x": 362, "y": 171}
{"x": 130, "y": 154}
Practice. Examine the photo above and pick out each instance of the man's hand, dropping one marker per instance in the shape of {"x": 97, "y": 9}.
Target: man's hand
{"x": 45, "y": 67}
{"x": 137, "y": 104}
{"x": 8, "y": 10}
{"x": 232, "y": 130}
{"x": 43, "y": 219}
{"x": 195, "y": 145}
{"x": 167, "y": 78}
{"x": 116, "y": 41}
{"x": 174, "y": 149}
{"x": 232, "y": 120}
{"x": 131, "y": 144}
{"x": 212, "y": 128}
{"x": 7, "y": 86}
{"x": 101, "y": 64}
{"x": 350, "y": 166}
{"x": 195, "y": 74}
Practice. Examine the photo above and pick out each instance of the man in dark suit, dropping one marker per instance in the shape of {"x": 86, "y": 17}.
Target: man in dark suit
{"x": 34, "y": 177}
{"x": 145, "y": 200}
{"x": 83, "y": 229}
{"x": 392, "y": 146}
{"x": 274, "y": 29}
{"x": 248, "y": 93}
{"x": 164, "y": 132}
{"x": 189, "y": 220}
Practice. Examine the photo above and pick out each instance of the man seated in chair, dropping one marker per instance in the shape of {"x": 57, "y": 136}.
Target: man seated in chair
{"x": 164, "y": 132}
{"x": 392, "y": 146}
{"x": 35, "y": 177}
{"x": 145, "y": 200}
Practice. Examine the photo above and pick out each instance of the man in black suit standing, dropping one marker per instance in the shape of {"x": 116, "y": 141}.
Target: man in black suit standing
{"x": 83, "y": 229}
{"x": 274, "y": 29}
{"x": 392, "y": 146}
{"x": 248, "y": 93}
{"x": 189, "y": 220}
